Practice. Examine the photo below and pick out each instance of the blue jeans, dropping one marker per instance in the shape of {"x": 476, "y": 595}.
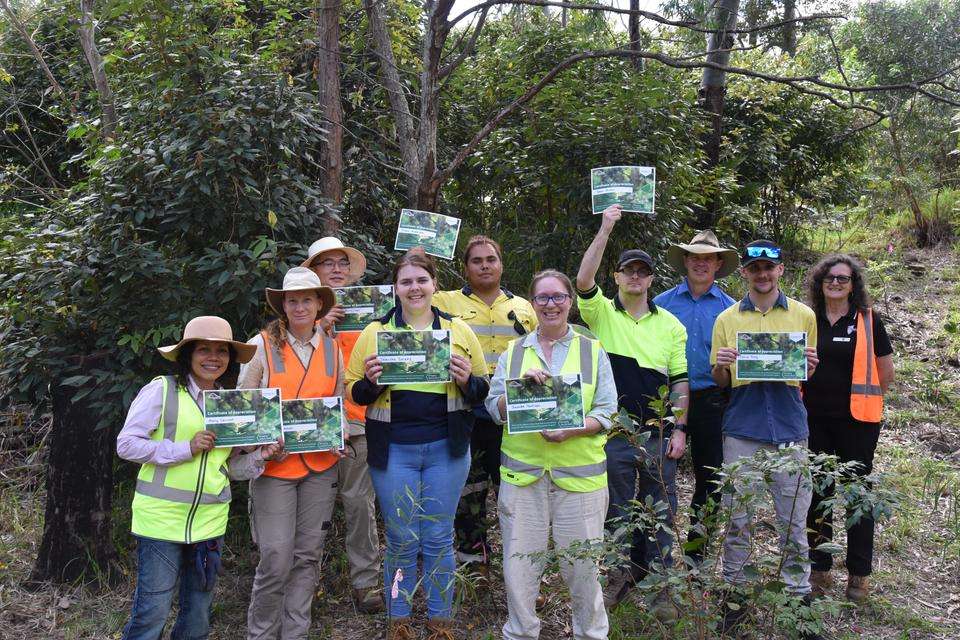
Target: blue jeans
{"x": 657, "y": 479}
{"x": 418, "y": 494}
{"x": 159, "y": 565}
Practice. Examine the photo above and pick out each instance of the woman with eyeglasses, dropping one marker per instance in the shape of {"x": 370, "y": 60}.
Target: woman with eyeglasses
{"x": 844, "y": 401}
{"x": 553, "y": 483}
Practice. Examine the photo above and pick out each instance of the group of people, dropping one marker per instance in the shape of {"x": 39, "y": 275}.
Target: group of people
{"x": 429, "y": 453}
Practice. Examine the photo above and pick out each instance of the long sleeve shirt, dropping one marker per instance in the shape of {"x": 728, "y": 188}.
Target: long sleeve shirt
{"x": 604, "y": 399}
{"x": 134, "y": 442}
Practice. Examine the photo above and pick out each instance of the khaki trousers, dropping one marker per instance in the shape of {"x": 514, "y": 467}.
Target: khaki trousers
{"x": 528, "y": 517}
{"x": 356, "y": 491}
{"x": 290, "y": 519}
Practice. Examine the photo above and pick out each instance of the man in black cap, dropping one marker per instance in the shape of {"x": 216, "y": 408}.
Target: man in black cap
{"x": 647, "y": 349}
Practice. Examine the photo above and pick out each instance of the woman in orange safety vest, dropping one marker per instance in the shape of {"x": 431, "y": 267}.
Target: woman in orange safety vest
{"x": 844, "y": 401}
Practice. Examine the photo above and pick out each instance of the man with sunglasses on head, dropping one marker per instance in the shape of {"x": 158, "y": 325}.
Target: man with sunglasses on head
{"x": 497, "y": 316}
{"x": 646, "y": 345}
{"x": 696, "y": 302}
{"x": 765, "y": 415}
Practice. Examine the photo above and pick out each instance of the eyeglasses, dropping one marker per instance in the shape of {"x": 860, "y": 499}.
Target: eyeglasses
{"x": 557, "y": 299}
{"x": 642, "y": 273}
{"x": 330, "y": 263}
{"x": 837, "y": 279}
{"x": 764, "y": 252}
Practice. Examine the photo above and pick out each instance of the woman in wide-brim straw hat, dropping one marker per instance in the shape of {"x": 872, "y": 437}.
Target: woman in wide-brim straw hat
{"x": 292, "y": 501}
{"x": 182, "y": 495}
{"x": 704, "y": 243}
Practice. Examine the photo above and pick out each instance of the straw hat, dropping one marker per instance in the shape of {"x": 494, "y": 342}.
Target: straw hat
{"x": 301, "y": 279}
{"x": 703, "y": 243}
{"x": 214, "y": 329}
{"x": 358, "y": 263}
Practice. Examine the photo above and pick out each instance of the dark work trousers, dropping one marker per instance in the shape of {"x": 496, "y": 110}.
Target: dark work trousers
{"x": 471, "y": 521}
{"x": 705, "y": 441}
{"x": 849, "y": 440}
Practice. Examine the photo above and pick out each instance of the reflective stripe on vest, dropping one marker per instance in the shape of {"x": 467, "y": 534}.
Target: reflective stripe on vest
{"x": 190, "y": 512}
{"x": 493, "y": 330}
{"x": 317, "y": 380}
{"x": 578, "y": 464}
{"x": 866, "y": 395}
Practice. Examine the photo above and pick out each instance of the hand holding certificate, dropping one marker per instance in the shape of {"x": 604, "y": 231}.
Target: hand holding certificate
{"x": 414, "y": 357}
{"x": 634, "y": 188}
{"x": 771, "y": 356}
{"x": 242, "y": 417}
{"x": 314, "y": 424}
{"x": 556, "y": 404}
{"x": 362, "y": 305}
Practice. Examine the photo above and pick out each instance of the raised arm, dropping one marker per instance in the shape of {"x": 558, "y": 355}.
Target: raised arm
{"x": 586, "y": 276}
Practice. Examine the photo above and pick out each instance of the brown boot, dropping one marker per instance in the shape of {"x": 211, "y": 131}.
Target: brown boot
{"x": 400, "y": 629}
{"x": 820, "y": 583}
{"x": 440, "y": 629}
{"x": 368, "y": 600}
{"x": 858, "y": 588}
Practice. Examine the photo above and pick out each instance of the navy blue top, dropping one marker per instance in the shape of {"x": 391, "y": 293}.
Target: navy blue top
{"x": 417, "y": 417}
{"x": 698, "y": 316}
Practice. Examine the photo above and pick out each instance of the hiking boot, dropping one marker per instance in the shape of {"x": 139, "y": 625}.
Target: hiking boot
{"x": 400, "y": 629}
{"x": 440, "y": 629}
{"x": 663, "y": 608}
{"x": 820, "y": 583}
{"x": 858, "y": 588}
{"x": 619, "y": 583}
{"x": 368, "y": 600}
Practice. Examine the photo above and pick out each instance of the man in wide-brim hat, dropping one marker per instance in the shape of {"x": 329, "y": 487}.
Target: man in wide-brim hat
{"x": 338, "y": 265}
{"x": 696, "y": 302}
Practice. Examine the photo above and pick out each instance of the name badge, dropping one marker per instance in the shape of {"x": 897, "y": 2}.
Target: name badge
{"x": 838, "y": 339}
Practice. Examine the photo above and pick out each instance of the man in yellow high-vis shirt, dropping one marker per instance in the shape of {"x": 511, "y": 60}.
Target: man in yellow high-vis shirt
{"x": 497, "y": 316}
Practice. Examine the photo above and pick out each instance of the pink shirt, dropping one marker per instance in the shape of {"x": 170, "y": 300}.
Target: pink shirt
{"x": 135, "y": 444}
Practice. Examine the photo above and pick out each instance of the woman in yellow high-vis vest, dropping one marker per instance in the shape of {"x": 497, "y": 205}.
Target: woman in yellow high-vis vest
{"x": 183, "y": 488}
{"x": 418, "y": 448}
{"x": 553, "y": 483}
{"x": 844, "y": 402}
{"x": 292, "y": 501}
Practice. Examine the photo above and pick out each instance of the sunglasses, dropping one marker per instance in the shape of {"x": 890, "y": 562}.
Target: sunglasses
{"x": 764, "y": 252}
{"x": 837, "y": 279}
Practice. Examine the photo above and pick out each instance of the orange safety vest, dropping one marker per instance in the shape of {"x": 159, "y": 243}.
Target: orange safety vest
{"x": 317, "y": 380}
{"x": 347, "y": 340}
{"x": 866, "y": 396}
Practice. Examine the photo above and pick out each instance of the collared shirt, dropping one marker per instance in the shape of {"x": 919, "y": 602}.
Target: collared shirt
{"x": 762, "y": 410}
{"x": 604, "y": 399}
{"x": 646, "y": 353}
{"x": 495, "y": 325}
{"x": 256, "y": 374}
{"x": 135, "y": 444}
{"x": 697, "y": 315}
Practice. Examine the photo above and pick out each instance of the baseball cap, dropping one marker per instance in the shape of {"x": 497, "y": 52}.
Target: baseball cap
{"x": 761, "y": 250}
{"x": 634, "y": 255}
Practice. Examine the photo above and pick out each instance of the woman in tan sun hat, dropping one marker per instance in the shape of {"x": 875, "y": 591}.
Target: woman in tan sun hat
{"x": 341, "y": 266}
{"x": 182, "y": 495}
{"x": 293, "y": 500}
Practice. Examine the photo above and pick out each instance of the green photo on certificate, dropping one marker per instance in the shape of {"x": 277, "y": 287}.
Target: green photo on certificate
{"x": 556, "y": 405}
{"x": 633, "y": 188}
{"x": 771, "y": 356}
{"x": 315, "y": 424}
{"x": 362, "y": 305}
{"x": 414, "y": 357}
{"x": 436, "y": 233}
{"x": 242, "y": 416}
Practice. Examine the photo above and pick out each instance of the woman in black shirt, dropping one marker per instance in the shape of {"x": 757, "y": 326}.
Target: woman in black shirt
{"x": 837, "y": 293}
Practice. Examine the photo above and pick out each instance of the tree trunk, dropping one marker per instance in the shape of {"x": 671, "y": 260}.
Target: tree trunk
{"x": 76, "y": 543}
{"x": 88, "y": 43}
{"x": 328, "y": 87}
{"x": 633, "y": 29}
{"x": 713, "y": 91}
{"x": 752, "y": 18}
{"x": 428, "y": 186}
{"x": 790, "y": 28}
{"x": 921, "y": 224}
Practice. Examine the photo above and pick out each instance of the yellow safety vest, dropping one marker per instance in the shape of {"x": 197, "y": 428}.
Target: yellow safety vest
{"x": 187, "y": 502}
{"x": 578, "y": 464}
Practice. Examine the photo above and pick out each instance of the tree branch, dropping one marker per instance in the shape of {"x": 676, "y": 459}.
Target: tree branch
{"x": 89, "y": 45}
{"x": 448, "y": 68}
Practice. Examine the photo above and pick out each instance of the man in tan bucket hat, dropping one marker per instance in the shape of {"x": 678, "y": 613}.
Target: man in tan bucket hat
{"x": 696, "y": 302}
{"x": 338, "y": 265}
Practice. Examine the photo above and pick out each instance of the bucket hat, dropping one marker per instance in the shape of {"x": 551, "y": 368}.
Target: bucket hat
{"x": 301, "y": 279}
{"x": 214, "y": 329}
{"x": 358, "y": 263}
{"x": 703, "y": 242}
